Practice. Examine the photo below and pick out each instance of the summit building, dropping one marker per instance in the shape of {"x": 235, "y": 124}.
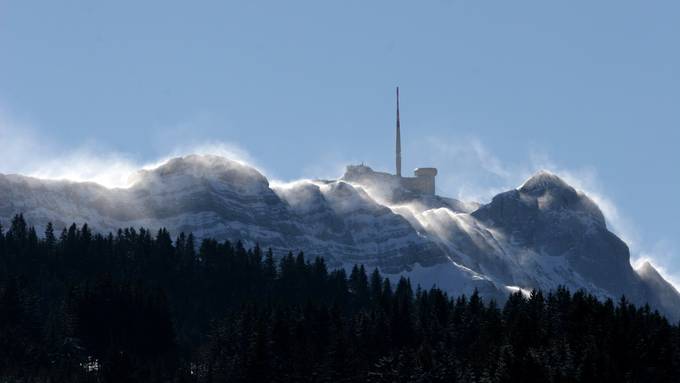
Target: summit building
{"x": 423, "y": 181}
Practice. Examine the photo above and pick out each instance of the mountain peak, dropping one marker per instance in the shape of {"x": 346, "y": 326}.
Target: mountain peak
{"x": 200, "y": 165}
{"x": 543, "y": 181}
{"x": 183, "y": 170}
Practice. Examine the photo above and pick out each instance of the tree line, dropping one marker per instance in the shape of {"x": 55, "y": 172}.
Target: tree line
{"x": 141, "y": 306}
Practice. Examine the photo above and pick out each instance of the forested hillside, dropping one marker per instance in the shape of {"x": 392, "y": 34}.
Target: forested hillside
{"x": 137, "y": 306}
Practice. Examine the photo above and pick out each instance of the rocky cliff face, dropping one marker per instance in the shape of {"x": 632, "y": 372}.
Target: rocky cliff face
{"x": 541, "y": 235}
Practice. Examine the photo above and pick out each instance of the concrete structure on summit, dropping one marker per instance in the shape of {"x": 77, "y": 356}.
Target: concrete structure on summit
{"x": 423, "y": 181}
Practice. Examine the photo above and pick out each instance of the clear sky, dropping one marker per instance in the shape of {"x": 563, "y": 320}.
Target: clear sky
{"x": 491, "y": 91}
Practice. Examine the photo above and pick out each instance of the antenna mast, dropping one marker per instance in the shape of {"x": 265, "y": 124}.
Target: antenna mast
{"x": 398, "y": 139}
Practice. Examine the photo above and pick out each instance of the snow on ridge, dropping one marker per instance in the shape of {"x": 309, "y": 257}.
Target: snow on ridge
{"x": 420, "y": 237}
{"x": 538, "y": 175}
{"x": 446, "y": 227}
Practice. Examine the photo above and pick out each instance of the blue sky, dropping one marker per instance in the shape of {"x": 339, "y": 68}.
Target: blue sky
{"x": 491, "y": 91}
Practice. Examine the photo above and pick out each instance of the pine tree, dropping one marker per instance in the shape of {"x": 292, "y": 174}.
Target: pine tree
{"x": 358, "y": 284}
{"x": 269, "y": 270}
{"x": 136, "y": 306}
{"x": 376, "y": 287}
{"x": 50, "y": 239}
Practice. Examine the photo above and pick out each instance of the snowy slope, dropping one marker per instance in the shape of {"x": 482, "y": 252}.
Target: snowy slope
{"x": 541, "y": 235}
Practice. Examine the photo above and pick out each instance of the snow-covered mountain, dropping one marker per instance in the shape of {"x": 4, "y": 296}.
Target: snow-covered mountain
{"x": 541, "y": 235}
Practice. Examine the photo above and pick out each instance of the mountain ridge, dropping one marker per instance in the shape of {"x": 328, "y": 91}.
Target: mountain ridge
{"x": 544, "y": 234}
